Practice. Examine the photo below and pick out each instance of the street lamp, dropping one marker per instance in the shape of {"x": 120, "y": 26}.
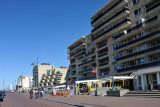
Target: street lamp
{"x": 33, "y": 63}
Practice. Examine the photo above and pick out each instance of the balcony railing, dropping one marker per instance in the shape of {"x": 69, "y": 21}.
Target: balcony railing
{"x": 73, "y": 68}
{"x": 85, "y": 70}
{"x": 103, "y": 64}
{"x": 83, "y": 49}
{"x": 86, "y": 62}
{"x": 83, "y": 56}
{"x": 149, "y": 64}
{"x": 104, "y": 73}
{"x": 139, "y": 39}
{"x": 110, "y": 29}
{"x": 153, "y": 6}
{"x": 102, "y": 45}
{"x": 102, "y": 54}
{"x": 76, "y": 46}
{"x": 73, "y": 74}
{"x": 150, "y": 49}
{"x": 137, "y": 26}
{"x": 111, "y": 18}
{"x": 106, "y": 11}
{"x": 86, "y": 78}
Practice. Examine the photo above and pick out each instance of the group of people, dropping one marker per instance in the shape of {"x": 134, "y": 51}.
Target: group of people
{"x": 35, "y": 92}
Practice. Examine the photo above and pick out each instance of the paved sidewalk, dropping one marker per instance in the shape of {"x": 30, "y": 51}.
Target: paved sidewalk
{"x": 98, "y": 101}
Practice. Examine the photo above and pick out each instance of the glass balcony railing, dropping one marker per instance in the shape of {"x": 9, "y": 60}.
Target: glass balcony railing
{"x": 85, "y": 70}
{"x": 89, "y": 77}
{"x": 104, "y": 73}
{"x": 83, "y": 56}
{"x": 152, "y": 34}
{"x": 153, "y": 6}
{"x": 137, "y": 26}
{"x": 102, "y": 54}
{"x": 109, "y": 9}
{"x": 139, "y": 66}
{"x": 102, "y": 45}
{"x": 76, "y": 46}
{"x": 81, "y": 50}
{"x": 111, "y": 29}
{"x": 86, "y": 62}
{"x": 103, "y": 64}
{"x": 111, "y": 18}
{"x": 150, "y": 49}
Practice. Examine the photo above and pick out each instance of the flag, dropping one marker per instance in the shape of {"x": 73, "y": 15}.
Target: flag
{"x": 94, "y": 71}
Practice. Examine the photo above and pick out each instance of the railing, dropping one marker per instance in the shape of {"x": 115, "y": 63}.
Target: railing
{"x": 86, "y": 62}
{"x": 73, "y": 68}
{"x": 85, "y": 70}
{"x": 102, "y": 45}
{"x": 103, "y": 73}
{"x": 137, "y": 26}
{"x": 153, "y": 6}
{"x": 86, "y": 78}
{"x": 110, "y": 29}
{"x": 83, "y": 56}
{"x": 76, "y": 46}
{"x": 106, "y": 11}
{"x": 102, "y": 54}
{"x": 73, "y": 62}
{"x": 102, "y": 64}
{"x": 150, "y": 49}
{"x": 111, "y": 18}
{"x": 77, "y": 52}
{"x": 144, "y": 65}
{"x": 139, "y": 39}
{"x": 73, "y": 74}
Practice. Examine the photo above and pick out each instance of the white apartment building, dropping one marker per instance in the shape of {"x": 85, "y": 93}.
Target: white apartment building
{"x": 25, "y": 82}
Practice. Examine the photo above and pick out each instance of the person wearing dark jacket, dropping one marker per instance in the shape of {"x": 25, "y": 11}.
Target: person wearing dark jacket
{"x": 31, "y": 94}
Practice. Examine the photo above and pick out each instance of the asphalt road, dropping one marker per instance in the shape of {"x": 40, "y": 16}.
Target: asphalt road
{"x": 17, "y": 100}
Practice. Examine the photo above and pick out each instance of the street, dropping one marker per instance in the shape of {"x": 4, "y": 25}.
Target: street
{"x": 17, "y": 100}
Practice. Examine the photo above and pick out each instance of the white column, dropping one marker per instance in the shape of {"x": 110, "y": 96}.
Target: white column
{"x": 158, "y": 78}
{"x": 142, "y": 80}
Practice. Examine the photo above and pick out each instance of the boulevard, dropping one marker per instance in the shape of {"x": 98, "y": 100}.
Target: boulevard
{"x": 22, "y": 100}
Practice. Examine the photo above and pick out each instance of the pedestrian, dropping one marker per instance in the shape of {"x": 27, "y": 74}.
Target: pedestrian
{"x": 31, "y": 94}
{"x": 36, "y": 94}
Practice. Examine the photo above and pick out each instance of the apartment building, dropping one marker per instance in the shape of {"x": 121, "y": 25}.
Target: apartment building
{"x": 25, "y": 82}
{"x": 53, "y": 77}
{"x": 125, "y": 42}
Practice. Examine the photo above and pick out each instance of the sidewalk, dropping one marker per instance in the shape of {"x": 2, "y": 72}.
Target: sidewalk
{"x": 98, "y": 101}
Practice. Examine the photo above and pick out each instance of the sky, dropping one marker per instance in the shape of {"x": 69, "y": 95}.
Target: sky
{"x": 40, "y": 28}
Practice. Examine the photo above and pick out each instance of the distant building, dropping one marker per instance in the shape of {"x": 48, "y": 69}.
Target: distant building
{"x": 46, "y": 75}
{"x": 25, "y": 82}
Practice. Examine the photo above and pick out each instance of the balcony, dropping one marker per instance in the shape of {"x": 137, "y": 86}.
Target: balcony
{"x": 109, "y": 9}
{"x": 86, "y": 62}
{"x": 103, "y": 64}
{"x": 89, "y": 77}
{"x": 152, "y": 34}
{"x": 73, "y": 62}
{"x": 111, "y": 18}
{"x": 102, "y": 54}
{"x": 153, "y": 6}
{"x": 83, "y": 56}
{"x": 137, "y": 26}
{"x": 111, "y": 29}
{"x": 73, "y": 68}
{"x": 76, "y": 46}
{"x": 135, "y": 67}
{"x": 85, "y": 70}
{"x": 103, "y": 73}
{"x": 73, "y": 74}
{"x": 80, "y": 50}
{"x": 150, "y": 49}
{"x": 102, "y": 45}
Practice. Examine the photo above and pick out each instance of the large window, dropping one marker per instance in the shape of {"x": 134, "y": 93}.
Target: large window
{"x": 139, "y": 80}
{"x": 137, "y": 11}
{"x": 135, "y": 1}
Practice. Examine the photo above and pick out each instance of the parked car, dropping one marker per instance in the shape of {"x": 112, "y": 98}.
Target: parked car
{"x": 1, "y": 96}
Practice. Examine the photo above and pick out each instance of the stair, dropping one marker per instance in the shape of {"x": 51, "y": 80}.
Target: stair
{"x": 148, "y": 94}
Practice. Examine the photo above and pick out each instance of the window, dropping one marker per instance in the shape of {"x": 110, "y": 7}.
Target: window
{"x": 139, "y": 80}
{"x": 115, "y": 68}
{"x": 137, "y": 11}
{"x": 88, "y": 45}
{"x": 135, "y": 2}
{"x": 142, "y": 60}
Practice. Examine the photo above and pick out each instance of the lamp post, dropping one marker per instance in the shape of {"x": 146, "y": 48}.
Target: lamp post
{"x": 33, "y": 63}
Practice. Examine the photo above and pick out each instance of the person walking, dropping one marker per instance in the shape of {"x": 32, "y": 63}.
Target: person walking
{"x": 31, "y": 94}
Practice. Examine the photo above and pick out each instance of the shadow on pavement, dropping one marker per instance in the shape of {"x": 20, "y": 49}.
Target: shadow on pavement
{"x": 93, "y": 105}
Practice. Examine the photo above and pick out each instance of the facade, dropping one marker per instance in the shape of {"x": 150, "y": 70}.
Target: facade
{"x": 25, "y": 82}
{"x": 47, "y": 75}
{"x": 125, "y": 39}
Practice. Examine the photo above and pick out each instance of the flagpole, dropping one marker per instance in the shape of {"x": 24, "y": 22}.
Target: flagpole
{"x": 96, "y": 73}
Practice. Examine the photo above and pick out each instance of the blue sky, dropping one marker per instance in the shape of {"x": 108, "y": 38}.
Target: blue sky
{"x": 40, "y": 28}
